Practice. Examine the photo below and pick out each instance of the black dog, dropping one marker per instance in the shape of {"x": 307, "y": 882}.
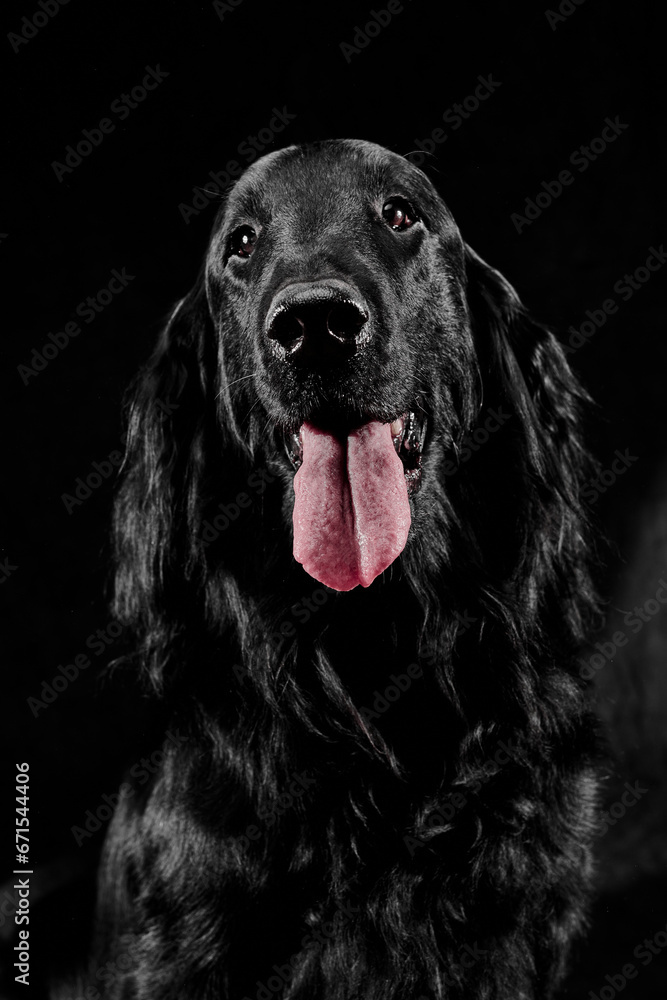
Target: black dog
{"x": 352, "y": 551}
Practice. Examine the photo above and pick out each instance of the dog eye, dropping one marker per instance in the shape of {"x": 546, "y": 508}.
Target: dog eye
{"x": 242, "y": 242}
{"x": 399, "y": 214}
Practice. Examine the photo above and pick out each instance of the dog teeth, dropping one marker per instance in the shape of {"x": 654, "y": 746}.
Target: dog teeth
{"x": 406, "y": 433}
{"x": 294, "y": 448}
{"x": 412, "y": 440}
{"x": 397, "y": 427}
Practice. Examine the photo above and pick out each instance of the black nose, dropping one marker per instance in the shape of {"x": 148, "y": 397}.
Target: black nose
{"x": 318, "y": 322}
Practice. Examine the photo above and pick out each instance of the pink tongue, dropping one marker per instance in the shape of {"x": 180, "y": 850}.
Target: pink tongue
{"x": 351, "y": 512}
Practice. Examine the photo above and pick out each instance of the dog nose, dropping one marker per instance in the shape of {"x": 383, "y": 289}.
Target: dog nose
{"x": 323, "y": 322}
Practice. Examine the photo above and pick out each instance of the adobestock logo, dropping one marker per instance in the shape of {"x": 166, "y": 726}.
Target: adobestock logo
{"x": 269, "y": 813}
{"x": 625, "y": 288}
{"x": 141, "y": 772}
{"x": 228, "y": 513}
{"x": 121, "y": 106}
{"x": 363, "y": 36}
{"x": 383, "y": 701}
{"x": 634, "y": 621}
{"x": 97, "y": 642}
{"x": 431, "y": 824}
{"x": 594, "y": 489}
{"x": 565, "y": 10}
{"x": 112, "y": 970}
{"x": 454, "y": 117}
{"x": 225, "y": 8}
{"x": 30, "y": 27}
{"x": 473, "y": 442}
{"x": 320, "y": 935}
{"x": 302, "y": 610}
{"x": 249, "y": 148}
{"x": 6, "y": 569}
{"x": 630, "y": 797}
{"x": 84, "y": 488}
{"x": 88, "y": 309}
{"x": 644, "y": 952}
{"x": 581, "y": 158}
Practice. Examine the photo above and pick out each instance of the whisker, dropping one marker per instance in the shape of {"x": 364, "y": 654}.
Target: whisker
{"x": 250, "y": 411}
{"x": 236, "y": 380}
{"x": 268, "y": 427}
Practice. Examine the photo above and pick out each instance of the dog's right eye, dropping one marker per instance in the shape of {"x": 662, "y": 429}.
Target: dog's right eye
{"x": 399, "y": 214}
{"x": 242, "y": 242}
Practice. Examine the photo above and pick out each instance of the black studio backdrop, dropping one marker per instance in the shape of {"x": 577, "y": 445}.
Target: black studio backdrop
{"x": 119, "y": 122}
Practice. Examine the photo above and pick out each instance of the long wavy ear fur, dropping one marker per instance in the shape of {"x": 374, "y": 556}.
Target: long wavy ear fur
{"x": 525, "y": 371}
{"x": 171, "y": 423}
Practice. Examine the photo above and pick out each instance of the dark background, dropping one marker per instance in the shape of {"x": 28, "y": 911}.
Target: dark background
{"x": 119, "y": 208}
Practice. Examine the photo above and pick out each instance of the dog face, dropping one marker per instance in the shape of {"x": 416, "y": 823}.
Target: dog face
{"x": 336, "y": 279}
{"x": 342, "y": 335}
{"x": 338, "y": 273}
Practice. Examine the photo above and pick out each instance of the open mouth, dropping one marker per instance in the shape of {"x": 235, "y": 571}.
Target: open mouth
{"x": 408, "y": 433}
{"x": 352, "y": 497}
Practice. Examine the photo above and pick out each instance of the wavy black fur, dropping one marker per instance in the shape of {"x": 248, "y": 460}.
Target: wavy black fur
{"x": 437, "y": 847}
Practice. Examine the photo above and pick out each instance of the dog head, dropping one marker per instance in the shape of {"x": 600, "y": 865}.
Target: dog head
{"x": 343, "y": 337}
{"x": 336, "y": 278}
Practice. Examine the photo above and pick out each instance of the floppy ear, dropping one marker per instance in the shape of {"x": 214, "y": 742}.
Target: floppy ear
{"x": 525, "y": 370}
{"x": 533, "y": 371}
{"x": 171, "y": 417}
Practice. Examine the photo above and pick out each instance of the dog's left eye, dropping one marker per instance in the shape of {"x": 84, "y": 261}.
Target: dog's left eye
{"x": 399, "y": 214}
{"x": 242, "y": 242}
